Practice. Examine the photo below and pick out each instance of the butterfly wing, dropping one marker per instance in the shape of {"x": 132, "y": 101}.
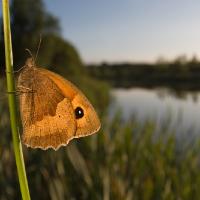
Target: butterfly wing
{"x": 47, "y": 115}
{"x": 53, "y": 110}
{"x": 87, "y": 124}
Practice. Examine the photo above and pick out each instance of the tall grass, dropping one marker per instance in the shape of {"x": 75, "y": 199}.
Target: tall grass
{"x": 12, "y": 102}
{"x": 123, "y": 161}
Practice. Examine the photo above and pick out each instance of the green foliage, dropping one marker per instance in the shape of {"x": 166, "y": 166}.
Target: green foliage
{"x": 122, "y": 161}
{"x": 16, "y": 143}
{"x": 29, "y": 20}
{"x": 60, "y": 56}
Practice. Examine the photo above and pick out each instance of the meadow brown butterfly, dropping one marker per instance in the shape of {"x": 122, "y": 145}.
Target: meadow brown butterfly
{"x": 53, "y": 110}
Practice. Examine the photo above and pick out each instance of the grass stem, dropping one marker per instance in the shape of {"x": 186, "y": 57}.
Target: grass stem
{"x": 12, "y": 102}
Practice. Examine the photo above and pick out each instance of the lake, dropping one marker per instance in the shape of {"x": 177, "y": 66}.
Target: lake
{"x": 181, "y": 110}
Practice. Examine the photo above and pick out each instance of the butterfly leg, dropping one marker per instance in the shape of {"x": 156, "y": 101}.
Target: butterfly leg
{"x": 22, "y": 89}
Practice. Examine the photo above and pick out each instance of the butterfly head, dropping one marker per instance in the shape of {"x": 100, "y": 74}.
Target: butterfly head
{"x": 30, "y": 62}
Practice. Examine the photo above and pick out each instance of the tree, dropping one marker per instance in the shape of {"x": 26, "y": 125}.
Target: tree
{"x": 29, "y": 21}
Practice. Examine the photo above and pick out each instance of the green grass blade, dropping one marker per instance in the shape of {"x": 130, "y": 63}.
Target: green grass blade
{"x": 12, "y": 103}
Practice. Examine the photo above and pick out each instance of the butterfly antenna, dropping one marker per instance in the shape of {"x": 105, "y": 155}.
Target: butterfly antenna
{"x": 30, "y": 53}
{"x": 39, "y": 44}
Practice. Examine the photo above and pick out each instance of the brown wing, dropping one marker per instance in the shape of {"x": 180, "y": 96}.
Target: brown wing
{"x": 89, "y": 123}
{"x": 47, "y": 115}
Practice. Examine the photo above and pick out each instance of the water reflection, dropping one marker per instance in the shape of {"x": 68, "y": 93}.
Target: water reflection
{"x": 180, "y": 110}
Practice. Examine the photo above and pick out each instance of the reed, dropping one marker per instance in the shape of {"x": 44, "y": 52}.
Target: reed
{"x": 12, "y": 103}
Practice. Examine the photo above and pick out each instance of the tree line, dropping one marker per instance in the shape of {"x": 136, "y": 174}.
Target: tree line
{"x": 179, "y": 74}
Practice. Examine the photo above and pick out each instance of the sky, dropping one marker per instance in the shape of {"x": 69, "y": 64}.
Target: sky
{"x": 129, "y": 30}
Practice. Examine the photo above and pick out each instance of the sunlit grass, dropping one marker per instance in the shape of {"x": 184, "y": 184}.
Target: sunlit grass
{"x": 12, "y": 102}
{"x": 123, "y": 161}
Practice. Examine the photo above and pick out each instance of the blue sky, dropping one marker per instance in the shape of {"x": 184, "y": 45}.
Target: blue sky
{"x": 130, "y": 30}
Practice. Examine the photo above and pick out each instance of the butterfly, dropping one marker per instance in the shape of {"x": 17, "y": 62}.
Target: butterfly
{"x": 53, "y": 110}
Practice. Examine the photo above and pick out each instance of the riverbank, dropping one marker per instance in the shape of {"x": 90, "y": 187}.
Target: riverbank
{"x": 174, "y": 75}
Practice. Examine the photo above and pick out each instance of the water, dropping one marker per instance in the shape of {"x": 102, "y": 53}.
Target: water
{"x": 180, "y": 110}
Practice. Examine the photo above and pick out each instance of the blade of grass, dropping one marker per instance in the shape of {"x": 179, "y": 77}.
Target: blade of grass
{"x": 12, "y": 103}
